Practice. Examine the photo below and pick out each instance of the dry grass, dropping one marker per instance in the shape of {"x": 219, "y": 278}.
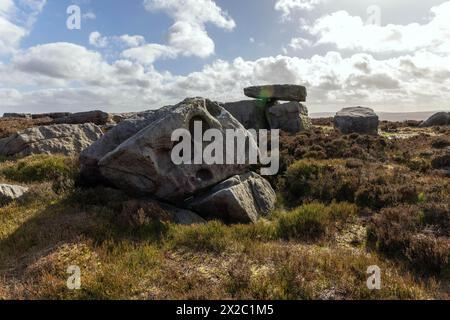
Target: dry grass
{"x": 9, "y": 126}
{"x": 315, "y": 250}
{"x": 39, "y": 241}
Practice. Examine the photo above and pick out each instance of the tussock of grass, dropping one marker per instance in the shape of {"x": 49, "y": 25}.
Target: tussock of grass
{"x": 40, "y": 168}
{"x": 314, "y": 221}
{"x": 210, "y": 237}
{"x": 61, "y": 171}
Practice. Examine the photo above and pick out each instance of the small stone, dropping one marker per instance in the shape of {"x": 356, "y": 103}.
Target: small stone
{"x": 9, "y": 193}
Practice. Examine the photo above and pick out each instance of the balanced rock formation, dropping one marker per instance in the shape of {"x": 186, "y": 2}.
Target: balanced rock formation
{"x": 9, "y": 193}
{"x": 283, "y": 92}
{"x": 290, "y": 117}
{"x": 96, "y": 117}
{"x": 136, "y": 155}
{"x": 357, "y": 120}
{"x": 243, "y": 198}
{"x": 55, "y": 139}
{"x": 250, "y": 113}
{"x": 438, "y": 119}
{"x": 265, "y": 112}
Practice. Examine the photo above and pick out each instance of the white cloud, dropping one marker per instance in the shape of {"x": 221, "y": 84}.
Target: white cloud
{"x": 84, "y": 80}
{"x": 287, "y": 7}
{"x": 132, "y": 41}
{"x": 408, "y": 83}
{"x": 65, "y": 65}
{"x": 350, "y": 32}
{"x": 97, "y": 40}
{"x": 193, "y": 11}
{"x": 27, "y": 11}
{"x": 10, "y": 36}
{"x": 16, "y": 22}
{"x": 6, "y": 6}
{"x": 190, "y": 39}
{"x": 299, "y": 43}
{"x": 147, "y": 54}
{"x": 188, "y": 34}
{"x": 60, "y": 61}
{"x": 89, "y": 15}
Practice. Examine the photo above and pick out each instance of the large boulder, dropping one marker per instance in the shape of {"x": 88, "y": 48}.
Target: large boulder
{"x": 357, "y": 120}
{"x": 284, "y": 92}
{"x": 9, "y": 193}
{"x": 250, "y": 113}
{"x": 290, "y": 117}
{"x": 241, "y": 199}
{"x": 438, "y": 119}
{"x": 136, "y": 155}
{"x": 55, "y": 139}
{"x": 96, "y": 117}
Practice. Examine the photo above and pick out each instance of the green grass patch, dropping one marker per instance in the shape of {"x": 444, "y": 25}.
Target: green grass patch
{"x": 314, "y": 221}
{"x": 40, "y": 168}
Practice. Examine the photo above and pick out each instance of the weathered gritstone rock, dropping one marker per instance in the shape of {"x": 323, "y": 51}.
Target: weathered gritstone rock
{"x": 290, "y": 117}
{"x": 17, "y": 115}
{"x": 357, "y": 120}
{"x": 119, "y": 117}
{"x": 55, "y": 139}
{"x": 96, "y": 117}
{"x": 53, "y": 115}
{"x": 136, "y": 213}
{"x": 250, "y": 113}
{"x": 9, "y": 193}
{"x": 124, "y": 130}
{"x": 135, "y": 156}
{"x": 438, "y": 119}
{"x": 283, "y": 92}
{"x": 241, "y": 199}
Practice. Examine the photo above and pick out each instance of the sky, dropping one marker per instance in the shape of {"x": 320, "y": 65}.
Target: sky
{"x": 132, "y": 55}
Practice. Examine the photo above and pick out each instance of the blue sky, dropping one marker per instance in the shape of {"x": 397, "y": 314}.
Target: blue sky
{"x": 129, "y": 17}
{"x": 132, "y": 55}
